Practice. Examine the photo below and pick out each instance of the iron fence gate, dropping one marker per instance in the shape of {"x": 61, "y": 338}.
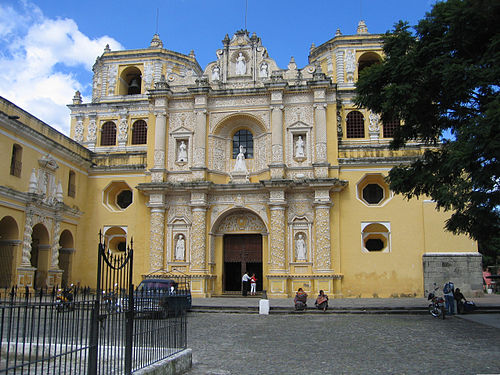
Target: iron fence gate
{"x": 110, "y": 349}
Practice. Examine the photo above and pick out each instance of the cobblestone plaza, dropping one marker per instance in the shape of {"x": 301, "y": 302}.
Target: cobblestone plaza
{"x": 341, "y": 344}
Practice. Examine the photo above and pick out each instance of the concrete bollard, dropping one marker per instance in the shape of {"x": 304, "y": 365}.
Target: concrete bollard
{"x": 264, "y": 307}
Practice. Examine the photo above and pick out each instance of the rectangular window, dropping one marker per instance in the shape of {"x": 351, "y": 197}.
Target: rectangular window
{"x": 15, "y": 162}
{"x": 71, "y": 184}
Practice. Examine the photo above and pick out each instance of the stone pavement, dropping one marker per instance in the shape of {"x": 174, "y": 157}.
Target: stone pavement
{"x": 252, "y": 344}
{"x": 490, "y": 302}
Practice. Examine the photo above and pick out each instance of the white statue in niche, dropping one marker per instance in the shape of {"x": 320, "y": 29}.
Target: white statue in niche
{"x": 263, "y": 70}
{"x": 240, "y": 165}
{"x": 299, "y": 147}
{"x": 300, "y": 248}
{"x": 241, "y": 65}
{"x": 216, "y": 73}
{"x": 180, "y": 248}
{"x": 182, "y": 155}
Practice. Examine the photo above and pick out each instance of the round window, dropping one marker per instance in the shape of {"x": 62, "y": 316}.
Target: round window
{"x": 124, "y": 199}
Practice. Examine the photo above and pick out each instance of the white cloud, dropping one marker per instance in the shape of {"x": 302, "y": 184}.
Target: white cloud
{"x": 36, "y": 54}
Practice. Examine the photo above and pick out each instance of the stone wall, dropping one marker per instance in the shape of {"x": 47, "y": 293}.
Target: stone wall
{"x": 463, "y": 269}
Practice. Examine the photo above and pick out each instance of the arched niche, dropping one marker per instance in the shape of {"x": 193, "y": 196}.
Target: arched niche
{"x": 9, "y": 241}
{"x": 130, "y": 81}
{"x": 66, "y": 250}
{"x": 40, "y": 254}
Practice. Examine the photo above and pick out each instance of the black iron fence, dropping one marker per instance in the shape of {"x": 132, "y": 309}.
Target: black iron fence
{"x": 78, "y": 331}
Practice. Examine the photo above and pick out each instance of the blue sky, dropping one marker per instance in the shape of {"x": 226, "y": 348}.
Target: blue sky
{"x": 48, "y": 47}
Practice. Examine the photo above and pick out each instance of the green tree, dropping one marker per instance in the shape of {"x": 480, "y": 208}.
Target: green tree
{"x": 442, "y": 79}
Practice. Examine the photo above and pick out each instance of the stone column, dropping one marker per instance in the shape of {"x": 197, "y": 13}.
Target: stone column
{"x": 339, "y": 59}
{"x": 200, "y": 141}
{"x": 123, "y": 129}
{"x": 198, "y": 251}
{"x": 25, "y": 271}
{"x": 321, "y": 163}
{"x": 55, "y": 273}
{"x": 322, "y": 256}
{"x": 277, "y": 207}
{"x": 158, "y": 171}
{"x": 157, "y": 232}
{"x": 277, "y": 166}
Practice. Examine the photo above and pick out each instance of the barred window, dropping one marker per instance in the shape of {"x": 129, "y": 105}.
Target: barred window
{"x": 355, "y": 125}
{"x": 108, "y": 134}
{"x": 243, "y": 138}
{"x": 15, "y": 161}
{"x": 71, "y": 184}
{"x": 139, "y": 132}
{"x": 390, "y": 127}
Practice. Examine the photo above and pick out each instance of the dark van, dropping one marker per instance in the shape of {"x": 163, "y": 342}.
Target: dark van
{"x": 162, "y": 297}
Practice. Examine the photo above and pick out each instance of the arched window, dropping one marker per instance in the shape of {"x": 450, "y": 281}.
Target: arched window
{"x": 139, "y": 132}
{"x": 355, "y": 125}
{"x": 390, "y": 127}
{"x": 243, "y": 138}
{"x": 108, "y": 134}
{"x": 71, "y": 184}
{"x": 366, "y": 60}
{"x": 15, "y": 161}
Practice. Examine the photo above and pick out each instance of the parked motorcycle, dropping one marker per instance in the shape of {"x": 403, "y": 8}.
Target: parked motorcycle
{"x": 437, "y": 306}
{"x": 64, "y": 300}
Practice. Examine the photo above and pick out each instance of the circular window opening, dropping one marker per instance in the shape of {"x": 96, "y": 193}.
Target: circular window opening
{"x": 373, "y": 193}
{"x": 122, "y": 246}
{"x": 124, "y": 199}
{"x": 374, "y": 244}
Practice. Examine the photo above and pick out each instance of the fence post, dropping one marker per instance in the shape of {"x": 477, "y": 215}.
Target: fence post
{"x": 129, "y": 315}
{"x": 94, "y": 318}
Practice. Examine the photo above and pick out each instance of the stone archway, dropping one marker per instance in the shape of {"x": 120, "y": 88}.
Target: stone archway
{"x": 9, "y": 233}
{"x": 242, "y": 233}
{"x": 40, "y": 254}
{"x": 66, "y": 250}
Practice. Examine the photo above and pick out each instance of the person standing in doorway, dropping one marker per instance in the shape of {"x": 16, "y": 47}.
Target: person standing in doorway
{"x": 245, "y": 280}
{"x": 253, "y": 285}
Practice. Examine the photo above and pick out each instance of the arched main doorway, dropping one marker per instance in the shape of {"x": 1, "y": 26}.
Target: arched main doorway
{"x": 9, "y": 233}
{"x": 243, "y": 234}
{"x": 242, "y": 253}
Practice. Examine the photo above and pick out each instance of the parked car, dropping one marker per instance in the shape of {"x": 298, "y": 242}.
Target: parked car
{"x": 162, "y": 297}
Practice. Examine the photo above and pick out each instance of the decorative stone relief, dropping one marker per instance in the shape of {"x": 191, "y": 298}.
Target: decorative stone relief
{"x": 198, "y": 239}
{"x": 322, "y": 259}
{"x": 277, "y": 151}
{"x": 350, "y": 64}
{"x": 156, "y": 239}
{"x": 302, "y": 113}
{"x": 241, "y": 222}
{"x": 159, "y": 159}
{"x": 374, "y": 122}
{"x": 148, "y": 74}
{"x": 218, "y": 153}
{"x": 123, "y": 129}
{"x": 112, "y": 76}
{"x": 277, "y": 255}
{"x": 92, "y": 130}
{"x": 320, "y": 151}
{"x": 79, "y": 129}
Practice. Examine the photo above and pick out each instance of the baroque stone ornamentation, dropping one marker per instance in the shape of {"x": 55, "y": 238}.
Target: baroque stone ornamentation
{"x": 277, "y": 255}
{"x": 350, "y": 64}
{"x": 374, "y": 122}
{"x": 157, "y": 234}
{"x": 323, "y": 253}
{"x": 198, "y": 245}
{"x": 28, "y": 230}
{"x": 54, "y": 263}
{"x": 92, "y": 130}
{"x": 112, "y": 75}
{"x": 79, "y": 129}
{"x": 242, "y": 222}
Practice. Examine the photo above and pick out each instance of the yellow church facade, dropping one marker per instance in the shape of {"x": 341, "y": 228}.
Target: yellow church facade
{"x": 240, "y": 166}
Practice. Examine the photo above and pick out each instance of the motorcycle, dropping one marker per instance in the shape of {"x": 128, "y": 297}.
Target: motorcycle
{"x": 64, "y": 300}
{"x": 437, "y": 306}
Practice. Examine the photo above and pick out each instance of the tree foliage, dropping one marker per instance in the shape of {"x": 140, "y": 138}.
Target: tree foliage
{"x": 443, "y": 77}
